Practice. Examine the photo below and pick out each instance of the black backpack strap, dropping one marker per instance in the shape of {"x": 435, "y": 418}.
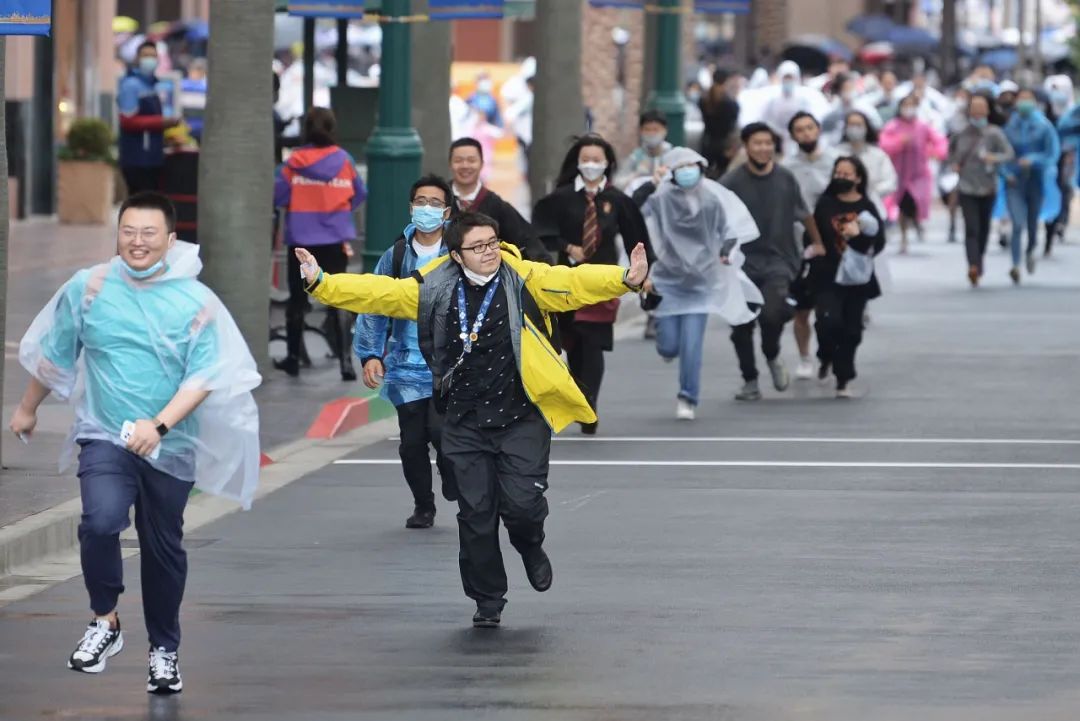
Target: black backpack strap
{"x": 399, "y": 257}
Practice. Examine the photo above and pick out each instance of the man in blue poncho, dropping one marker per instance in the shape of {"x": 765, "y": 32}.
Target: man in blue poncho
{"x": 161, "y": 381}
{"x": 389, "y": 351}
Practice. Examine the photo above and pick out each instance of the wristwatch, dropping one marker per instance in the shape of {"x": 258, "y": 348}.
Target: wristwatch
{"x": 161, "y": 428}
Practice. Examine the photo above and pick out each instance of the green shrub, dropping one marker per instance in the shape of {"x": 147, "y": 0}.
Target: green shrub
{"x": 88, "y": 139}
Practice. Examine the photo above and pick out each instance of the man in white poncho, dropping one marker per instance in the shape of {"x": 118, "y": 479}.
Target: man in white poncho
{"x": 161, "y": 381}
{"x": 696, "y": 226}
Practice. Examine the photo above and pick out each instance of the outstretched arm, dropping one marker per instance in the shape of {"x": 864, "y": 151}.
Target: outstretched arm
{"x": 367, "y": 293}
{"x": 560, "y": 288}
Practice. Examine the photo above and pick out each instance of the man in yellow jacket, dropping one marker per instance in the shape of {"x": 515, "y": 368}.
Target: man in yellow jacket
{"x": 484, "y": 326}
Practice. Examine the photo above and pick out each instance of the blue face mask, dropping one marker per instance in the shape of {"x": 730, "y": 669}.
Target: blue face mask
{"x": 427, "y": 219}
{"x": 687, "y": 176}
{"x": 148, "y": 66}
{"x": 1026, "y": 107}
{"x": 144, "y": 274}
{"x": 980, "y": 122}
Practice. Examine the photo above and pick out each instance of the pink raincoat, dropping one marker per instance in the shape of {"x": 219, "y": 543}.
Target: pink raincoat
{"x": 911, "y": 145}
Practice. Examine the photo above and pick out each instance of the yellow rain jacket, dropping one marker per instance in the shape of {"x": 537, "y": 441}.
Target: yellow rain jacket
{"x": 533, "y": 292}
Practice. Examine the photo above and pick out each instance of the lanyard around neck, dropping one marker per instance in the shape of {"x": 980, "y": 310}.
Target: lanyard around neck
{"x": 470, "y": 335}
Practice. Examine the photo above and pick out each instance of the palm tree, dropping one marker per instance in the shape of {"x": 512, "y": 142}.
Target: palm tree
{"x": 236, "y": 165}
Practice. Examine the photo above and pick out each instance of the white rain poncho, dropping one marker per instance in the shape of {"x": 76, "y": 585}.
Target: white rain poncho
{"x": 688, "y": 229}
{"x": 119, "y": 349}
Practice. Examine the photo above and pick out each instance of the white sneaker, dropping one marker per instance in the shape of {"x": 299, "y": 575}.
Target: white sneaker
{"x": 98, "y": 645}
{"x": 684, "y": 411}
{"x": 805, "y": 370}
{"x": 163, "y": 674}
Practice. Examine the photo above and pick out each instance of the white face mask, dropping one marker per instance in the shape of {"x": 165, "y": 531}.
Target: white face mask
{"x": 908, "y": 112}
{"x": 476, "y": 278}
{"x": 591, "y": 172}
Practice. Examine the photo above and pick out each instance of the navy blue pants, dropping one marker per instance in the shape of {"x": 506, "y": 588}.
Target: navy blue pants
{"x": 113, "y": 480}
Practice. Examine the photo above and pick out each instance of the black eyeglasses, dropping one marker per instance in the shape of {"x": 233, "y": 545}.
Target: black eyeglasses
{"x": 481, "y": 248}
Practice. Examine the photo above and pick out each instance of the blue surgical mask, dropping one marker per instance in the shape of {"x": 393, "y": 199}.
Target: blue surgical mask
{"x": 1025, "y": 107}
{"x": 980, "y": 122}
{"x": 687, "y": 176}
{"x": 148, "y": 66}
{"x": 426, "y": 218}
{"x": 144, "y": 274}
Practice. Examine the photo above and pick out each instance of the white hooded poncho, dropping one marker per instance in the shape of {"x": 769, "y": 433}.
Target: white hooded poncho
{"x": 688, "y": 229}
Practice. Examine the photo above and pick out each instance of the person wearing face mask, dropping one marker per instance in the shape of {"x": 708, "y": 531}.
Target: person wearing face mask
{"x": 643, "y": 160}
{"x": 485, "y": 328}
{"x": 911, "y": 144}
{"x": 142, "y": 123}
{"x": 580, "y": 220}
{"x": 846, "y": 99}
{"x": 812, "y": 167}
{"x": 1030, "y": 179}
{"x": 161, "y": 381}
{"x": 1059, "y": 88}
{"x": 389, "y": 352}
{"x": 976, "y": 154}
{"x": 885, "y": 102}
{"x": 772, "y": 195}
{"x": 484, "y": 102}
{"x": 698, "y": 265}
{"x": 861, "y": 141}
{"x": 843, "y": 279}
{"x": 792, "y": 98}
{"x": 320, "y": 189}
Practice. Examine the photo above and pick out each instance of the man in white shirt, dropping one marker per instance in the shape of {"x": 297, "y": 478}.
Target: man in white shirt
{"x": 812, "y": 166}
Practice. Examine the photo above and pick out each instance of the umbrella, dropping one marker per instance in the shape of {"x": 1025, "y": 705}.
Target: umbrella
{"x": 197, "y": 31}
{"x": 873, "y": 28}
{"x": 813, "y": 53}
{"x": 912, "y": 41}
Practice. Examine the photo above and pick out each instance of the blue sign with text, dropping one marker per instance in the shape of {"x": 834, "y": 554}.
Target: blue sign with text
{"x": 25, "y": 17}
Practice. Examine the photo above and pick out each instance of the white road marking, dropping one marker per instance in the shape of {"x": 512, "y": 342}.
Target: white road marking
{"x": 763, "y": 464}
{"x": 810, "y": 439}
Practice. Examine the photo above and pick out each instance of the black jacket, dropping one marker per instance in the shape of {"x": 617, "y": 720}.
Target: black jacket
{"x": 559, "y": 220}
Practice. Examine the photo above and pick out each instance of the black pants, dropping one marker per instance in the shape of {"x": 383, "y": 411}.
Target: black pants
{"x": 420, "y": 426}
{"x": 774, "y": 315}
{"x": 500, "y": 473}
{"x": 139, "y": 179}
{"x": 977, "y": 210}
{"x": 585, "y": 346}
{"x": 1061, "y": 222}
{"x": 839, "y": 327}
{"x": 332, "y": 259}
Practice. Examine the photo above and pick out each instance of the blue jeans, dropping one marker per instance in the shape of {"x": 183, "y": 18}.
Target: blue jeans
{"x": 1025, "y": 202}
{"x": 683, "y": 337}
{"x": 113, "y": 480}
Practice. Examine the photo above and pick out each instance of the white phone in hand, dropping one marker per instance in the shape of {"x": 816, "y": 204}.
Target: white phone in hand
{"x": 126, "y": 432}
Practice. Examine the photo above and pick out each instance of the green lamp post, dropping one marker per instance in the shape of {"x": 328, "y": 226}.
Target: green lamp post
{"x": 394, "y": 150}
{"x": 667, "y": 95}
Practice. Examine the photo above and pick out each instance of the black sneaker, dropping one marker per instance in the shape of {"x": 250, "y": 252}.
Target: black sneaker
{"x": 486, "y": 618}
{"x": 98, "y": 645}
{"x": 449, "y": 489}
{"x": 163, "y": 676}
{"x": 537, "y": 568}
{"x": 421, "y": 519}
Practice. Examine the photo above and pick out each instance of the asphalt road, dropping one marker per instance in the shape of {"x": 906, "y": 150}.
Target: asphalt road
{"x": 907, "y": 554}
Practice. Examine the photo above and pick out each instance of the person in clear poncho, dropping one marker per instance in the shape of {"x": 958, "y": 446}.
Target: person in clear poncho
{"x": 697, "y": 226}
{"x": 161, "y": 381}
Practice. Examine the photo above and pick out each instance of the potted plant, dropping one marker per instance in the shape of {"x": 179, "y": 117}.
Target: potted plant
{"x": 86, "y": 174}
